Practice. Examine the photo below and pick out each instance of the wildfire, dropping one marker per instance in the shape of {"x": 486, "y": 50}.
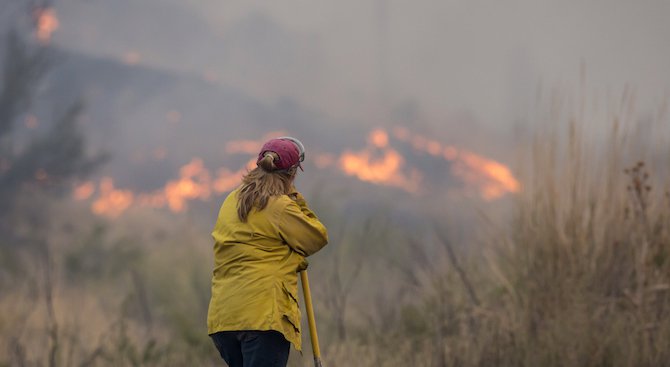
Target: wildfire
{"x": 378, "y": 162}
{"x": 378, "y": 138}
{"x": 490, "y": 178}
{"x": 195, "y": 182}
{"x": 111, "y": 202}
{"x": 84, "y": 191}
{"x": 46, "y": 23}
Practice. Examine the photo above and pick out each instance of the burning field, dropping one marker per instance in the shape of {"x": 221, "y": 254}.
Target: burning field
{"x": 378, "y": 163}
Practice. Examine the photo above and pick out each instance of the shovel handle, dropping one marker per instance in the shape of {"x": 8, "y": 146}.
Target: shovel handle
{"x": 310, "y": 318}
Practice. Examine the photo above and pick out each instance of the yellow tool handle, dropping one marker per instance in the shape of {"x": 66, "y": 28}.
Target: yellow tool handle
{"x": 310, "y": 318}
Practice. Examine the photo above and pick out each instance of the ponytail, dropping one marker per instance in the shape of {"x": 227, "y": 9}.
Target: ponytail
{"x": 262, "y": 183}
{"x": 268, "y": 162}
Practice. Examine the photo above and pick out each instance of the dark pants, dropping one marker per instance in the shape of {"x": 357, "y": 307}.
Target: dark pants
{"x": 252, "y": 348}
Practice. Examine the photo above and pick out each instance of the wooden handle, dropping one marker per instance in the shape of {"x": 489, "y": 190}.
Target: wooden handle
{"x": 310, "y": 318}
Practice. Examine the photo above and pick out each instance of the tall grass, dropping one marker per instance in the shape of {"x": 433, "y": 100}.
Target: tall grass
{"x": 111, "y": 295}
{"x": 586, "y": 266}
{"x": 581, "y": 277}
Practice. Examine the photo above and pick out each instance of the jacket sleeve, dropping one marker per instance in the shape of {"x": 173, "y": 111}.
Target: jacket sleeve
{"x": 301, "y": 229}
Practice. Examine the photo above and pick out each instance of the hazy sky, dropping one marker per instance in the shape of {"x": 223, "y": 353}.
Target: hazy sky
{"x": 354, "y": 58}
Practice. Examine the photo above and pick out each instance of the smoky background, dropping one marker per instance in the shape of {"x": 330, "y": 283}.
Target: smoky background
{"x": 467, "y": 157}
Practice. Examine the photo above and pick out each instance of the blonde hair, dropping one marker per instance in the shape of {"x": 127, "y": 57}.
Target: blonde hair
{"x": 262, "y": 183}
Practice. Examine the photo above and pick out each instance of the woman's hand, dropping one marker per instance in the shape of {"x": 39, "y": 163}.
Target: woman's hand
{"x": 303, "y": 265}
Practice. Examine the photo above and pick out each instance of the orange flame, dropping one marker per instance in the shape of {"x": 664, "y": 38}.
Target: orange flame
{"x": 46, "y": 23}
{"x": 194, "y": 182}
{"x": 112, "y": 202}
{"x": 227, "y": 180}
{"x": 378, "y": 138}
{"x": 377, "y": 163}
{"x": 385, "y": 169}
{"x": 492, "y": 179}
{"x": 84, "y": 191}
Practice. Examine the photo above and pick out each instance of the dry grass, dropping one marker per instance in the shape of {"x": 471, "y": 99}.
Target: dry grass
{"x": 580, "y": 277}
{"x": 119, "y": 297}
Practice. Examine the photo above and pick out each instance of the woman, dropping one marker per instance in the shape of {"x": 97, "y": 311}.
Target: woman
{"x": 262, "y": 235}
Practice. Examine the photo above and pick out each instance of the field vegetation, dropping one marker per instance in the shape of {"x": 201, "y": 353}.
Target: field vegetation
{"x": 576, "y": 273}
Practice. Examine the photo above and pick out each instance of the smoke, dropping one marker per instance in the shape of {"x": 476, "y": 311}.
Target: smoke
{"x": 167, "y": 82}
{"x": 355, "y": 58}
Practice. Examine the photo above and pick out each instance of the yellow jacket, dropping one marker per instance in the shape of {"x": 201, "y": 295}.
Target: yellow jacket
{"x": 255, "y": 281}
